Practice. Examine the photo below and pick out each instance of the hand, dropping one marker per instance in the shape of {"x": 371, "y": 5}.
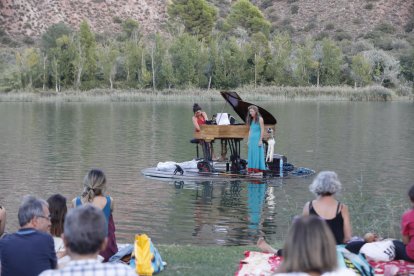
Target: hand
{"x": 260, "y": 143}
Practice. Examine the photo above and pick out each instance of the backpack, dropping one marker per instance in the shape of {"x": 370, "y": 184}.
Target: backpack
{"x": 147, "y": 259}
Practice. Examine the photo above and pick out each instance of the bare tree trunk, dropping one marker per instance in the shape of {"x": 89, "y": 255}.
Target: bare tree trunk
{"x": 317, "y": 79}
{"x": 209, "y": 83}
{"x": 153, "y": 69}
{"x": 44, "y": 72}
{"x": 255, "y": 71}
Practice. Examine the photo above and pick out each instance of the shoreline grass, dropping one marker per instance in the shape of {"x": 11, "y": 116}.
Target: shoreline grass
{"x": 202, "y": 260}
{"x": 265, "y": 93}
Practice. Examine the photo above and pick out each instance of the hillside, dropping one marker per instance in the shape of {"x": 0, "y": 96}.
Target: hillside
{"x": 20, "y": 18}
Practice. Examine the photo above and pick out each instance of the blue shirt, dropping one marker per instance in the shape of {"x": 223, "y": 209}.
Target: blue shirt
{"x": 27, "y": 252}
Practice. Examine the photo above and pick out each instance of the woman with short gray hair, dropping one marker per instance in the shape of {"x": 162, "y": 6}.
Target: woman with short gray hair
{"x": 325, "y": 186}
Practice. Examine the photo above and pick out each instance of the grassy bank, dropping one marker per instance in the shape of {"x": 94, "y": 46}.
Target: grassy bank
{"x": 202, "y": 260}
{"x": 272, "y": 93}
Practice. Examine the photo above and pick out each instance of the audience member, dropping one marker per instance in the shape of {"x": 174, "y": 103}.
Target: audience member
{"x": 84, "y": 235}
{"x": 310, "y": 249}
{"x": 405, "y": 250}
{"x": 30, "y": 250}
{"x": 2, "y": 221}
{"x": 94, "y": 185}
{"x": 58, "y": 210}
{"x": 325, "y": 186}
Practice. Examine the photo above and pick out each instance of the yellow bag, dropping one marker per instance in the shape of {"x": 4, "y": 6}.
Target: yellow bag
{"x": 143, "y": 255}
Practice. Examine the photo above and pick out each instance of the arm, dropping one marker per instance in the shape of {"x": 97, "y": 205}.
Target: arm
{"x": 2, "y": 219}
{"x": 305, "y": 211}
{"x": 196, "y": 126}
{"x": 261, "y": 131}
{"x": 112, "y": 204}
{"x": 405, "y": 239}
{"x": 347, "y": 223}
{"x": 205, "y": 116}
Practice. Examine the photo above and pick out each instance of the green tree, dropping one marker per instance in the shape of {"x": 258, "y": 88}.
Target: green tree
{"x": 279, "y": 68}
{"x": 185, "y": 51}
{"x": 52, "y": 33}
{"x": 330, "y": 65}
{"x": 303, "y": 63}
{"x": 85, "y": 60}
{"x": 361, "y": 70}
{"x": 130, "y": 29}
{"x": 385, "y": 67}
{"x": 107, "y": 57}
{"x": 246, "y": 15}
{"x": 229, "y": 65}
{"x": 61, "y": 58}
{"x": 28, "y": 63}
{"x": 132, "y": 52}
{"x": 197, "y": 16}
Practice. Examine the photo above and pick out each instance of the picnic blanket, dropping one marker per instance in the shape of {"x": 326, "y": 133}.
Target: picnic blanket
{"x": 263, "y": 264}
{"x": 258, "y": 264}
{"x": 397, "y": 267}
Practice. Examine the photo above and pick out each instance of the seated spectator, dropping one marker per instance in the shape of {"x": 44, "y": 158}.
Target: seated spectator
{"x": 310, "y": 249}
{"x": 2, "y": 221}
{"x": 325, "y": 186}
{"x": 94, "y": 185}
{"x": 84, "y": 235}
{"x": 405, "y": 250}
{"x": 58, "y": 210}
{"x": 30, "y": 250}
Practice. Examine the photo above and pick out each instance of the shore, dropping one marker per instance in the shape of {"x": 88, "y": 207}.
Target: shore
{"x": 268, "y": 93}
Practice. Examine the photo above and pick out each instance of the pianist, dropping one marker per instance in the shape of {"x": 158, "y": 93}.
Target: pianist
{"x": 200, "y": 118}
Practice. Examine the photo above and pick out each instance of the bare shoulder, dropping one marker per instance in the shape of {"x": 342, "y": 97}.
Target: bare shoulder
{"x": 306, "y": 208}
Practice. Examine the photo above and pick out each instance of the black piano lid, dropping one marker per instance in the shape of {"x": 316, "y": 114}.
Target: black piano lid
{"x": 241, "y": 106}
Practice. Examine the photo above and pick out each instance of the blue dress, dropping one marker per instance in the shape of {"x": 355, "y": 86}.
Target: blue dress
{"x": 255, "y": 154}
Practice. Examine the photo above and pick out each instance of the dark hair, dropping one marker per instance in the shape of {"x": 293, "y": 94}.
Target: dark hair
{"x": 58, "y": 210}
{"x": 411, "y": 193}
{"x": 196, "y": 107}
{"x": 85, "y": 229}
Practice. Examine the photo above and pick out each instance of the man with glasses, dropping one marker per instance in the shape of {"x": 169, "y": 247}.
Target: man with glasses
{"x": 30, "y": 250}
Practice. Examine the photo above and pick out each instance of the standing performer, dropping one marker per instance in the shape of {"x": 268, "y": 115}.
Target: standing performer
{"x": 255, "y": 157}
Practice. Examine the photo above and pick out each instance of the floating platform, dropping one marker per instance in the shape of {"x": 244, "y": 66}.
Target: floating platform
{"x": 194, "y": 174}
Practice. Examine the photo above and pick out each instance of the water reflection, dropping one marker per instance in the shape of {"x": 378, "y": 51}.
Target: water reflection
{"x": 231, "y": 212}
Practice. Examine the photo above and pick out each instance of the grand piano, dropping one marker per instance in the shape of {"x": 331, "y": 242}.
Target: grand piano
{"x": 231, "y": 134}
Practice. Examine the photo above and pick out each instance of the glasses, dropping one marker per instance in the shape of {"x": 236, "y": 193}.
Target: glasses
{"x": 45, "y": 217}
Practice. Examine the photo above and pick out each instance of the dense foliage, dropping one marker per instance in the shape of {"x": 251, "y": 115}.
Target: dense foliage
{"x": 195, "y": 53}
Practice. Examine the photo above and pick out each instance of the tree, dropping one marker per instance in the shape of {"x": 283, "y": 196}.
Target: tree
{"x": 278, "y": 70}
{"x": 197, "y": 16}
{"x": 384, "y": 66}
{"x": 330, "y": 65}
{"x": 185, "y": 51}
{"x": 85, "y": 60}
{"x": 130, "y": 28}
{"x": 107, "y": 56}
{"x": 28, "y": 61}
{"x": 245, "y": 14}
{"x": 361, "y": 71}
{"x": 52, "y": 33}
{"x": 303, "y": 62}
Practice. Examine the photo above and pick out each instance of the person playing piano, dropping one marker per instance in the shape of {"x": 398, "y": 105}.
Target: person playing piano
{"x": 200, "y": 117}
{"x": 255, "y": 156}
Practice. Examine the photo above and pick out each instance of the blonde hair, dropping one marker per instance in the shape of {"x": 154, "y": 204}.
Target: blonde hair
{"x": 94, "y": 184}
{"x": 309, "y": 247}
{"x": 249, "y": 117}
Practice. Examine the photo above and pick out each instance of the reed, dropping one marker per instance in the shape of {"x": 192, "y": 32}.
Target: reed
{"x": 248, "y": 93}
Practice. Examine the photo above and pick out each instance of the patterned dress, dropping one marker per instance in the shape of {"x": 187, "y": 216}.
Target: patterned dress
{"x": 255, "y": 155}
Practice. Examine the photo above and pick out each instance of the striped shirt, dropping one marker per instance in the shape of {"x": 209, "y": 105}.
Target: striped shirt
{"x": 91, "y": 267}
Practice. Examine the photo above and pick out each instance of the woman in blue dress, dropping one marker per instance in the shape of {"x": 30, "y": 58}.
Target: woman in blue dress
{"x": 255, "y": 156}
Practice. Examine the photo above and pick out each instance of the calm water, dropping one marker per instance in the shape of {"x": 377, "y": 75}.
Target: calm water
{"x": 47, "y": 148}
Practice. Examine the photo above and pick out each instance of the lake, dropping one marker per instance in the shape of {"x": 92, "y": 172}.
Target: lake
{"x": 48, "y": 148}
